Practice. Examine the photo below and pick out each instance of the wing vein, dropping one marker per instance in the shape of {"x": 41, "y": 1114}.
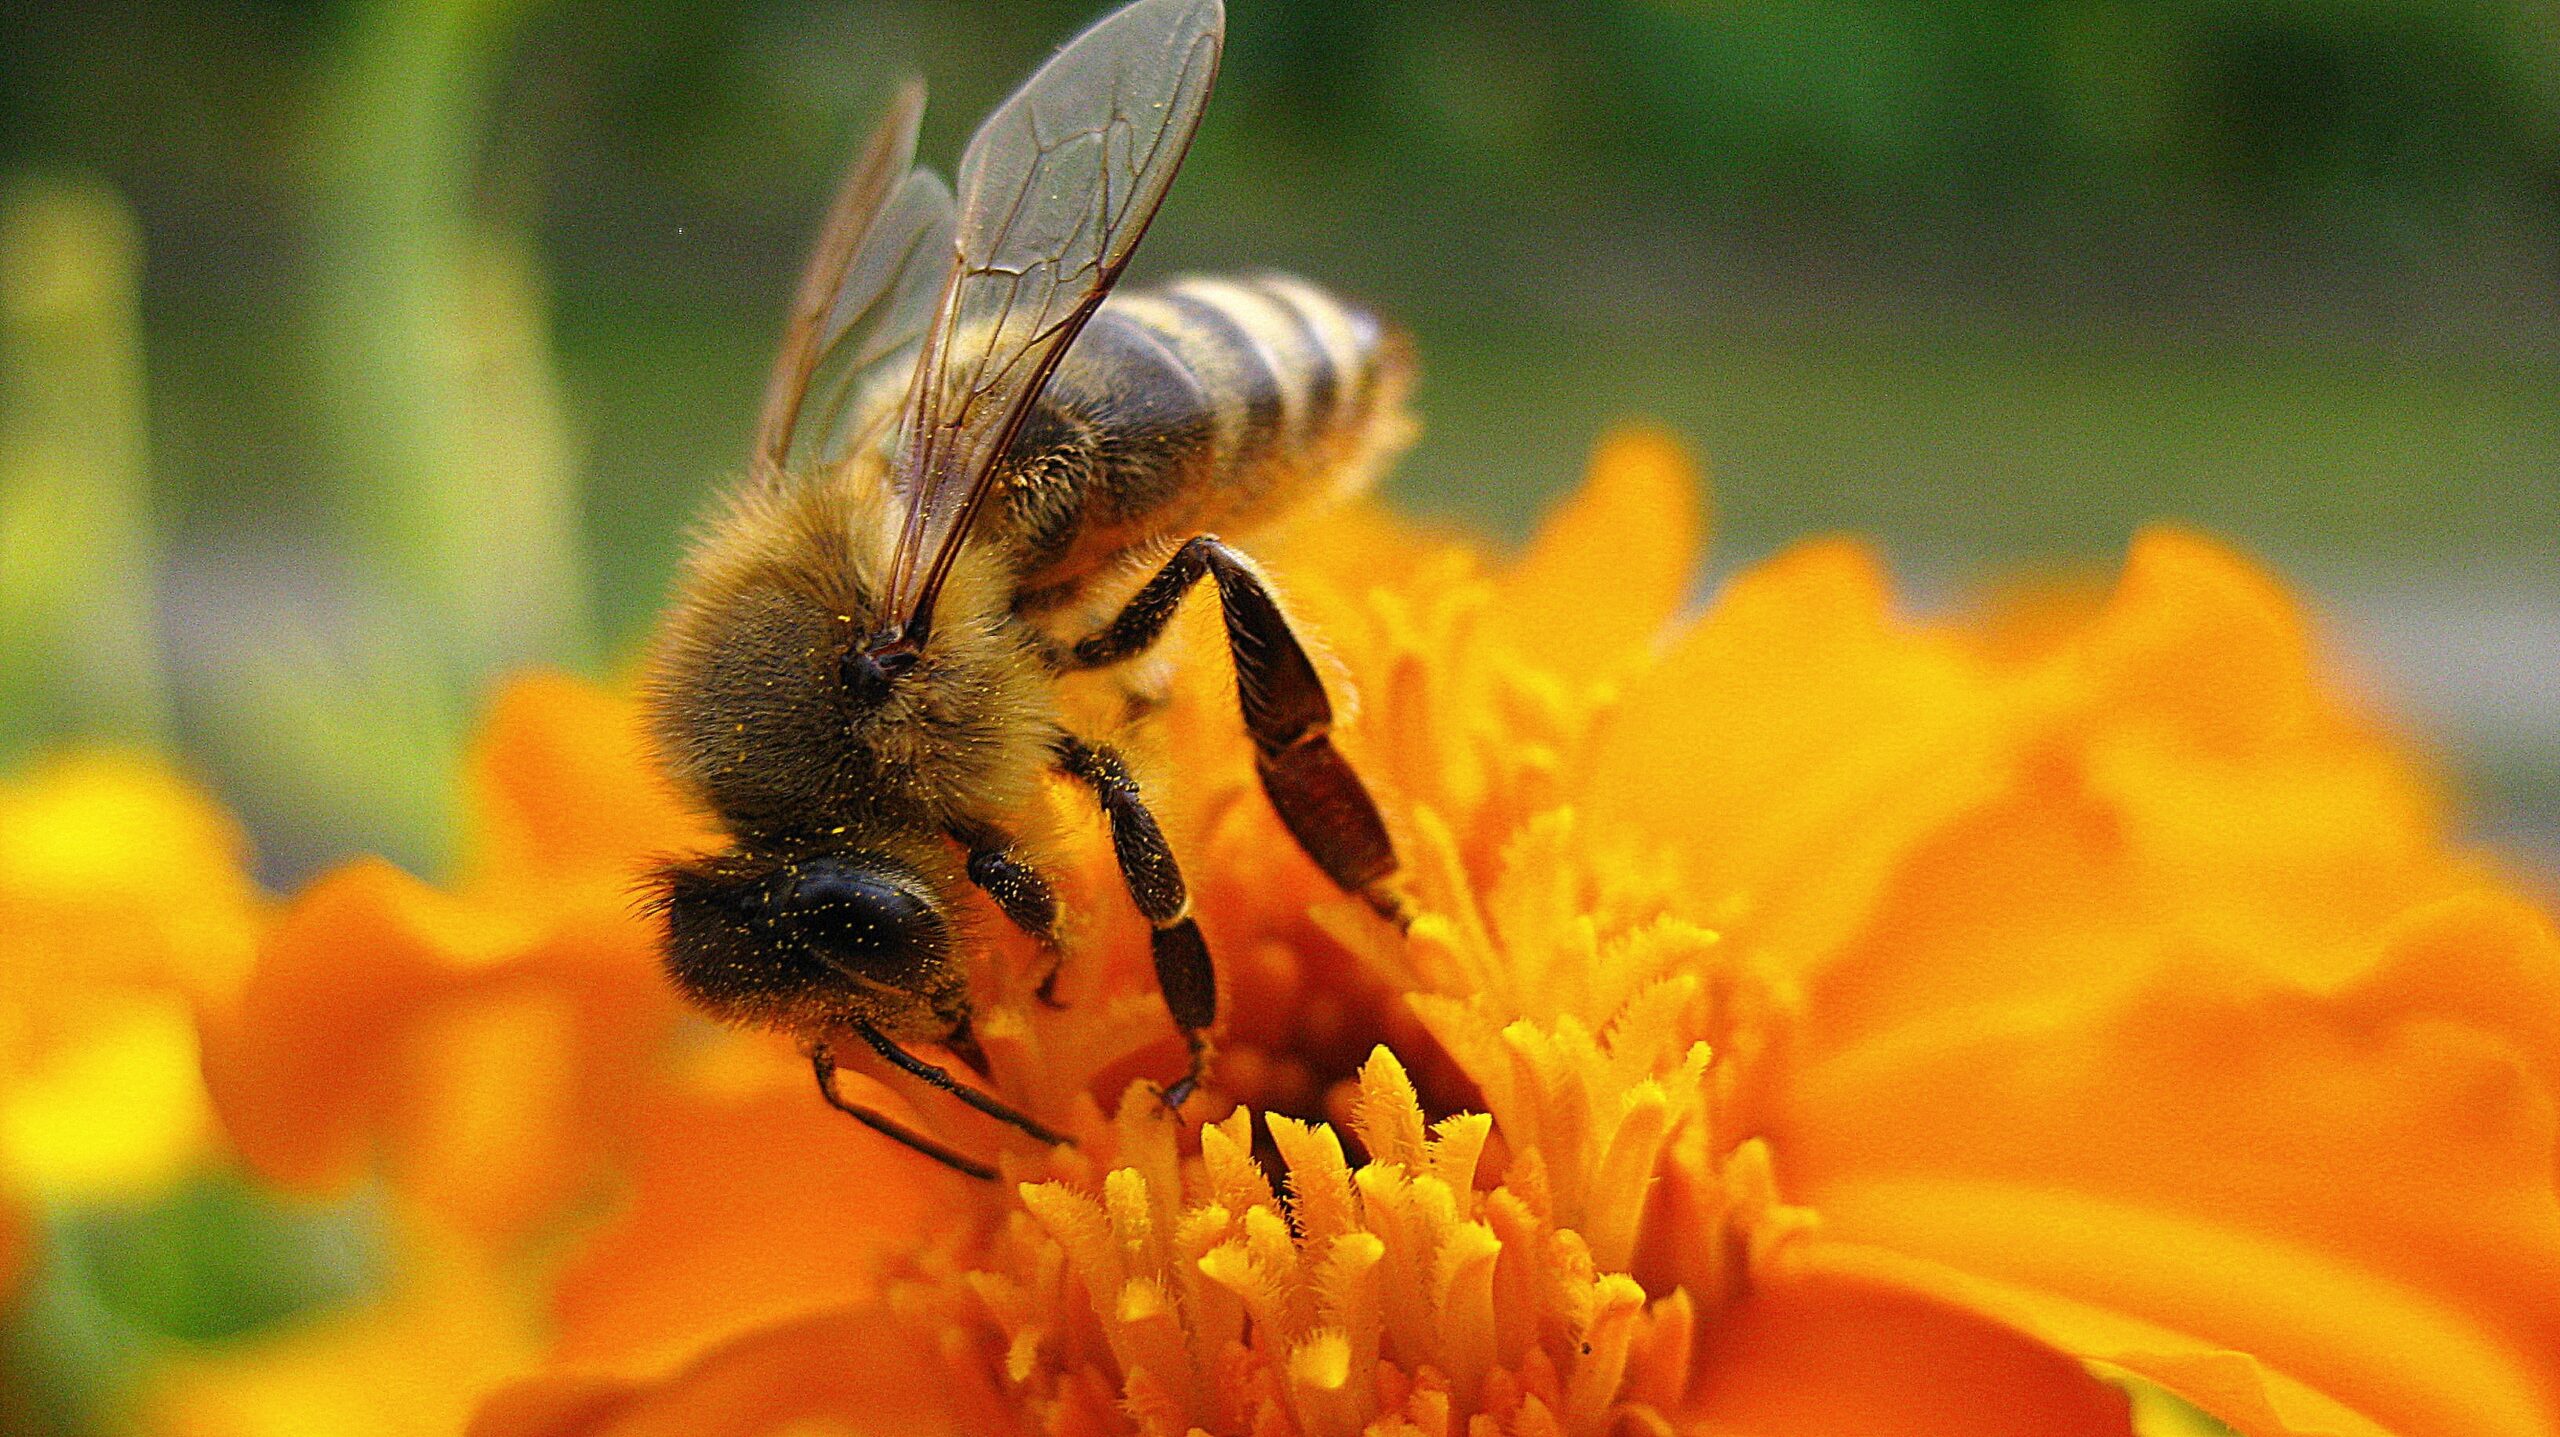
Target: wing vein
{"x": 1055, "y": 191}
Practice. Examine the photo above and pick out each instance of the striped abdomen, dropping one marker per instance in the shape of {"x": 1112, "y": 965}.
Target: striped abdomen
{"x": 1203, "y": 405}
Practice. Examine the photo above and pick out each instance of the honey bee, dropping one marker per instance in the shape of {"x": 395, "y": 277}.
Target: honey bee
{"x": 970, "y": 446}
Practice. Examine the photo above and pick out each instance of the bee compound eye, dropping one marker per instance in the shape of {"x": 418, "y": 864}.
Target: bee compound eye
{"x": 860, "y": 909}
{"x": 756, "y": 939}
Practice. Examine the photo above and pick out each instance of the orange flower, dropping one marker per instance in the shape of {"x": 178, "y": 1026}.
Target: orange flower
{"x": 1816, "y": 1022}
{"x": 476, "y": 1043}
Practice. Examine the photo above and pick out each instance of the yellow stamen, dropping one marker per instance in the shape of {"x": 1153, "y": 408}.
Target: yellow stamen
{"x": 1399, "y": 1295}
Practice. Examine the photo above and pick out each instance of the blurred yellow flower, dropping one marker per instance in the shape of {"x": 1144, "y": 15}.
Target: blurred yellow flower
{"x": 124, "y": 903}
{"x": 1816, "y": 1021}
{"x": 410, "y": 1364}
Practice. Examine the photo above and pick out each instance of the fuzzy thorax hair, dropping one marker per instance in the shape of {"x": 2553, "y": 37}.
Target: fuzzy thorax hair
{"x": 749, "y": 698}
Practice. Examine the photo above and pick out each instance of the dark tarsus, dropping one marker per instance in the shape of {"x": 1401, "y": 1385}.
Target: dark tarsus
{"x": 1183, "y": 970}
{"x": 823, "y": 1063}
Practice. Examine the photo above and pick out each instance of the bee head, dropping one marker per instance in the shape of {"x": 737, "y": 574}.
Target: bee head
{"x": 799, "y": 942}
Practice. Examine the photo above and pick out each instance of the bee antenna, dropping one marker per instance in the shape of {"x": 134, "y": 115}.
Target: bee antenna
{"x": 652, "y": 890}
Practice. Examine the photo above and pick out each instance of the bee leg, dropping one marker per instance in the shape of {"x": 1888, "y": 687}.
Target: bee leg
{"x": 823, "y": 1064}
{"x": 915, "y": 1067}
{"x": 963, "y": 1044}
{"x": 1140, "y": 704}
{"x": 1024, "y": 895}
{"x": 1184, "y": 973}
{"x": 1320, "y": 800}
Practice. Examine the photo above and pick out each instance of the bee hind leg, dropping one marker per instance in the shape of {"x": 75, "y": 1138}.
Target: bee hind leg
{"x": 1184, "y": 974}
{"x": 822, "y": 1063}
{"x": 1319, "y": 798}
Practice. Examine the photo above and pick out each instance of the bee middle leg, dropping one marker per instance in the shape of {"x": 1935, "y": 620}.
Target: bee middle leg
{"x": 1184, "y": 973}
{"x": 1023, "y": 895}
{"x": 1319, "y": 798}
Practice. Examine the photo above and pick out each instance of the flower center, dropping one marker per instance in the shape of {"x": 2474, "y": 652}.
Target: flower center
{"x": 1540, "y": 1257}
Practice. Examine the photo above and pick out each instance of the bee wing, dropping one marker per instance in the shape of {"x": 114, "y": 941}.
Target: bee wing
{"x": 849, "y": 348}
{"x": 1055, "y": 190}
{"x": 865, "y": 359}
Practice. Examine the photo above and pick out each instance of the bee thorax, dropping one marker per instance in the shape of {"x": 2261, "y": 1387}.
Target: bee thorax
{"x": 770, "y": 701}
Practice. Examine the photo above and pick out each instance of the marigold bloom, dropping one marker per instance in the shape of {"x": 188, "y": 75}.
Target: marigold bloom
{"x": 1816, "y": 1022}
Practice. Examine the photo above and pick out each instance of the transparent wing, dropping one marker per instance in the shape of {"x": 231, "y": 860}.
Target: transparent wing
{"x": 866, "y": 354}
{"x": 864, "y": 301}
{"x": 1055, "y": 191}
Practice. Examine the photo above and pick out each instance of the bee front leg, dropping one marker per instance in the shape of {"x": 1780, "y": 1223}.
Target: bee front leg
{"x": 1313, "y": 788}
{"x": 823, "y": 1064}
{"x": 917, "y": 1068}
{"x": 1184, "y": 973}
{"x": 1022, "y": 893}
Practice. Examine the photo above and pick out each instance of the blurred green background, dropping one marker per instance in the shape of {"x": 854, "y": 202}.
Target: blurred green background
{"x": 448, "y": 316}
{"x": 350, "y": 352}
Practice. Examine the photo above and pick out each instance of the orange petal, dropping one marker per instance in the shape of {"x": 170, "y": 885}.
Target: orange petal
{"x": 2201, "y": 637}
{"x": 2240, "y": 1390}
{"x": 1611, "y": 567}
{"x": 482, "y": 1038}
{"x": 2178, "y": 784}
{"x": 2478, "y": 960}
{"x": 2028, "y": 898}
{"x": 484, "y": 1050}
{"x": 1792, "y": 746}
{"x": 852, "y": 1372}
{"x": 303, "y": 1063}
{"x": 490, "y": 1130}
{"x": 563, "y": 792}
{"x": 1819, "y": 1354}
{"x": 748, "y": 1210}
{"x": 2265, "y": 810}
{"x": 2356, "y": 1188}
